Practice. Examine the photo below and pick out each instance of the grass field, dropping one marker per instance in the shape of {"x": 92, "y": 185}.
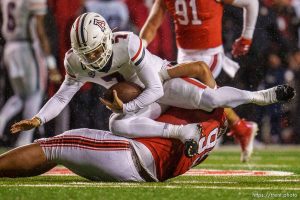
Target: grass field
{"x": 198, "y": 187}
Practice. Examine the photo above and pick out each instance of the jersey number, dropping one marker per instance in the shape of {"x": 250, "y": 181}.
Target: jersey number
{"x": 181, "y": 8}
{"x": 208, "y": 142}
{"x": 11, "y": 23}
{"x": 114, "y": 76}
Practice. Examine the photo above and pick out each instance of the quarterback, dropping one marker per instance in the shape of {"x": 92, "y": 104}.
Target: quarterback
{"x": 105, "y": 58}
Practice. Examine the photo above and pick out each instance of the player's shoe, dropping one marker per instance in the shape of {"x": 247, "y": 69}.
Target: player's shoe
{"x": 244, "y": 132}
{"x": 190, "y": 137}
{"x": 284, "y": 93}
{"x": 280, "y": 93}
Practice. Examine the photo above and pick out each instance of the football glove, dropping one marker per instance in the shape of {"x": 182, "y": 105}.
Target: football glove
{"x": 241, "y": 46}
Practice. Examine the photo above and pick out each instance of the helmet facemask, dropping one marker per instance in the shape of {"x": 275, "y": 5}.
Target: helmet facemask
{"x": 99, "y": 56}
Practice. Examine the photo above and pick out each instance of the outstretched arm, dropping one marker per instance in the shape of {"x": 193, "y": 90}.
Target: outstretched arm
{"x": 250, "y": 7}
{"x": 153, "y": 22}
{"x": 52, "y": 108}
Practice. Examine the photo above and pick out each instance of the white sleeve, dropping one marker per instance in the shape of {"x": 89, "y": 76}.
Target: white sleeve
{"x": 142, "y": 61}
{"x": 250, "y": 15}
{"x": 59, "y": 101}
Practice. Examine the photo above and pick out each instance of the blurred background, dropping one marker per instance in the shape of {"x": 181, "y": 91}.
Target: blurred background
{"x": 274, "y": 59}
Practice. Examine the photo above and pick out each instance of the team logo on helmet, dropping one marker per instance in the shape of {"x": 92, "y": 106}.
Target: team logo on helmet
{"x": 100, "y": 23}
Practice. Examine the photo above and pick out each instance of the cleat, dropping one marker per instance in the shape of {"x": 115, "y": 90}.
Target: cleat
{"x": 244, "y": 132}
{"x": 247, "y": 149}
{"x": 277, "y": 94}
{"x": 190, "y": 148}
{"x": 284, "y": 93}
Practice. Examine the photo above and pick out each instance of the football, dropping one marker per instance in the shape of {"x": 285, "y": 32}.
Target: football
{"x": 126, "y": 91}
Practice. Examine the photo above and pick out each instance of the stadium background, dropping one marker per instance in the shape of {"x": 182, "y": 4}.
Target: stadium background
{"x": 274, "y": 59}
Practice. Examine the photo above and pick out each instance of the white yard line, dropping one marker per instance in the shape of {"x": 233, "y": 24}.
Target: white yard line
{"x": 284, "y": 180}
{"x": 245, "y": 165}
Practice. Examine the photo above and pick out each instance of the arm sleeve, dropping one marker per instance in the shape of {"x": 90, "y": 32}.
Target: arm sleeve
{"x": 60, "y": 99}
{"x": 143, "y": 63}
{"x": 250, "y": 15}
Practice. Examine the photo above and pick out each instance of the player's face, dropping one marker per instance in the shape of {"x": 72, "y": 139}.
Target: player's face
{"x": 95, "y": 55}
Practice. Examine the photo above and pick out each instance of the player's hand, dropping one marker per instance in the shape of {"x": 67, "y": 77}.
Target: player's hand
{"x": 55, "y": 76}
{"x": 241, "y": 47}
{"x": 25, "y": 125}
{"x": 116, "y": 106}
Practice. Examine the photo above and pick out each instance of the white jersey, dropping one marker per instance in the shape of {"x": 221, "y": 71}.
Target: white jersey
{"x": 17, "y": 15}
{"x": 130, "y": 61}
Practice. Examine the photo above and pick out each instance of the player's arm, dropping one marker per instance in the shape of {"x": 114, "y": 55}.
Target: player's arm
{"x": 54, "y": 74}
{"x": 142, "y": 61}
{"x": 250, "y": 7}
{"x": 196, "y": 69}
{"x": 153, "y": 22}
{"x": 51, "y": 109}
{"x": 54, "y": 106}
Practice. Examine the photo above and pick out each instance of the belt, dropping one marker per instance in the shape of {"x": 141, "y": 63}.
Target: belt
{"x": 141, "y": 170}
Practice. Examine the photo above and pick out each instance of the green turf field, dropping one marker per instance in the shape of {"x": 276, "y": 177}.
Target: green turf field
{"x": 184, "y": 187}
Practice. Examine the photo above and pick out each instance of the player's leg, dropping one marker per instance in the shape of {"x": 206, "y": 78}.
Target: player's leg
{"x": 192, "y": 94}
{"x": 16, "y": 73}
{"x": 11, "y": 107}
{"x": 244, "y": 131}
{"x": 94, "y": 154}
{"x": 24, "y": 161}
{"x": 31, "y": 106}
{"x": 141, "y": 124}
{"x": 33, "y": 94}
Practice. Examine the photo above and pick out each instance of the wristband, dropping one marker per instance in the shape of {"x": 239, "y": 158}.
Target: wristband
{"x": 51, "y": 62}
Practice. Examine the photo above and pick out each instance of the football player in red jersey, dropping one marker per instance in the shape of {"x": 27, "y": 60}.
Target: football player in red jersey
{"x": 198, "y": 28}
{"x": 102, "y": 156}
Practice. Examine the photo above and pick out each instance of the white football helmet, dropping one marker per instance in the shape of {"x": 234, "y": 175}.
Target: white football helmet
{"x": 91, "y": 40}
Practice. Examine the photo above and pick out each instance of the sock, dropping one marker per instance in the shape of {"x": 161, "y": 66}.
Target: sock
{"x": 172, "y": 131}
{"x": 264, "y": 97}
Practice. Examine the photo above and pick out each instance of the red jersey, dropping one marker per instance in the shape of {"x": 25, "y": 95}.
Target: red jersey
{"x": 169, "y": 155}
{"x": 198, "y": 23}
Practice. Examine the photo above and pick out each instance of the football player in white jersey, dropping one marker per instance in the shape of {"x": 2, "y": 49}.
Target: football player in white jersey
{"x": 21, "y": 20}
{"x": 105, "y": 58}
